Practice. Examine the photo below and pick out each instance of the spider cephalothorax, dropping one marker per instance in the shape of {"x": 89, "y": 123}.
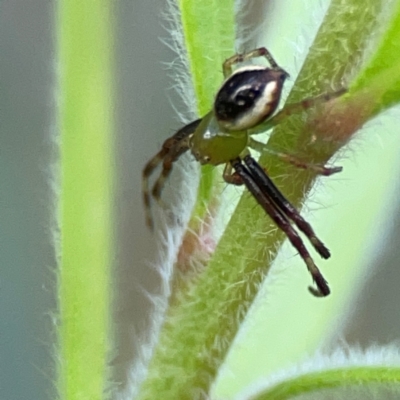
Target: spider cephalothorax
{"x": 248, "y": 98}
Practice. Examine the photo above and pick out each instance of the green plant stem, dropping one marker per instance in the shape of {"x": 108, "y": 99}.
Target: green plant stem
{"x": 208, "y": 28}
{"x": 85, "y": 115}
{"x": 338, "y": 379}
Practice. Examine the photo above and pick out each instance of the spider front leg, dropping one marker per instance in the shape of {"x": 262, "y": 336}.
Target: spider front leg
{"x": 280, "y": 217}
{"x": 297, "y": 162}
{"x": 238, "y": 58}
{"x": 170, "y": 151}
{"x": 268, "y": 186}
{"x": 295, "y": 108}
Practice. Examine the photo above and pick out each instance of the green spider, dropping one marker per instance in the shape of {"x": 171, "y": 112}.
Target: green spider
{"x": 244, "y": 106}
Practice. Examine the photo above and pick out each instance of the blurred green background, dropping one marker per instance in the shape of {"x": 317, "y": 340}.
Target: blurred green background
{"x": 366, "y": 191}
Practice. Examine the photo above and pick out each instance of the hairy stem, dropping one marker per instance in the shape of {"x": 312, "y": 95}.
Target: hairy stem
{"x": 85, "y": 116}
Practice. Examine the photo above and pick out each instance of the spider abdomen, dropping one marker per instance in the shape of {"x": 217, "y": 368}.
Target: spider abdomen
{"x": 249, "y": 96}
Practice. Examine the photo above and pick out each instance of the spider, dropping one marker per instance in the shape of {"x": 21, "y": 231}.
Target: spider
{"x": 244, "y": 106}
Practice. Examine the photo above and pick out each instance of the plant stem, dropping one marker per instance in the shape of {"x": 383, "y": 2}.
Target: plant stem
{"x": 208, "y": 28}
{"x": 339, "y": 380}
{"x": 85, "y": 115}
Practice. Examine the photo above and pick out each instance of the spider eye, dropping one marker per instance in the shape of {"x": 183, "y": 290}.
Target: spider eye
{"x": 248, "y": 97}
{"x": 245, "y": 98}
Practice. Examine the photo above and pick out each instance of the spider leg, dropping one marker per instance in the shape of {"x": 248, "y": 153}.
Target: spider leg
{"x": 318, "y": 168}
{"x": 230, "y": 177}
{"x": 171, "y": 149}
{"x": 176, "y": 151}
{"x": 151, "y": 165}
{"x": 265, "y": 182}
{"x": 270, "y": 207}
{"x": 295, "y": 108}
{"x": 238, "y": 58}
